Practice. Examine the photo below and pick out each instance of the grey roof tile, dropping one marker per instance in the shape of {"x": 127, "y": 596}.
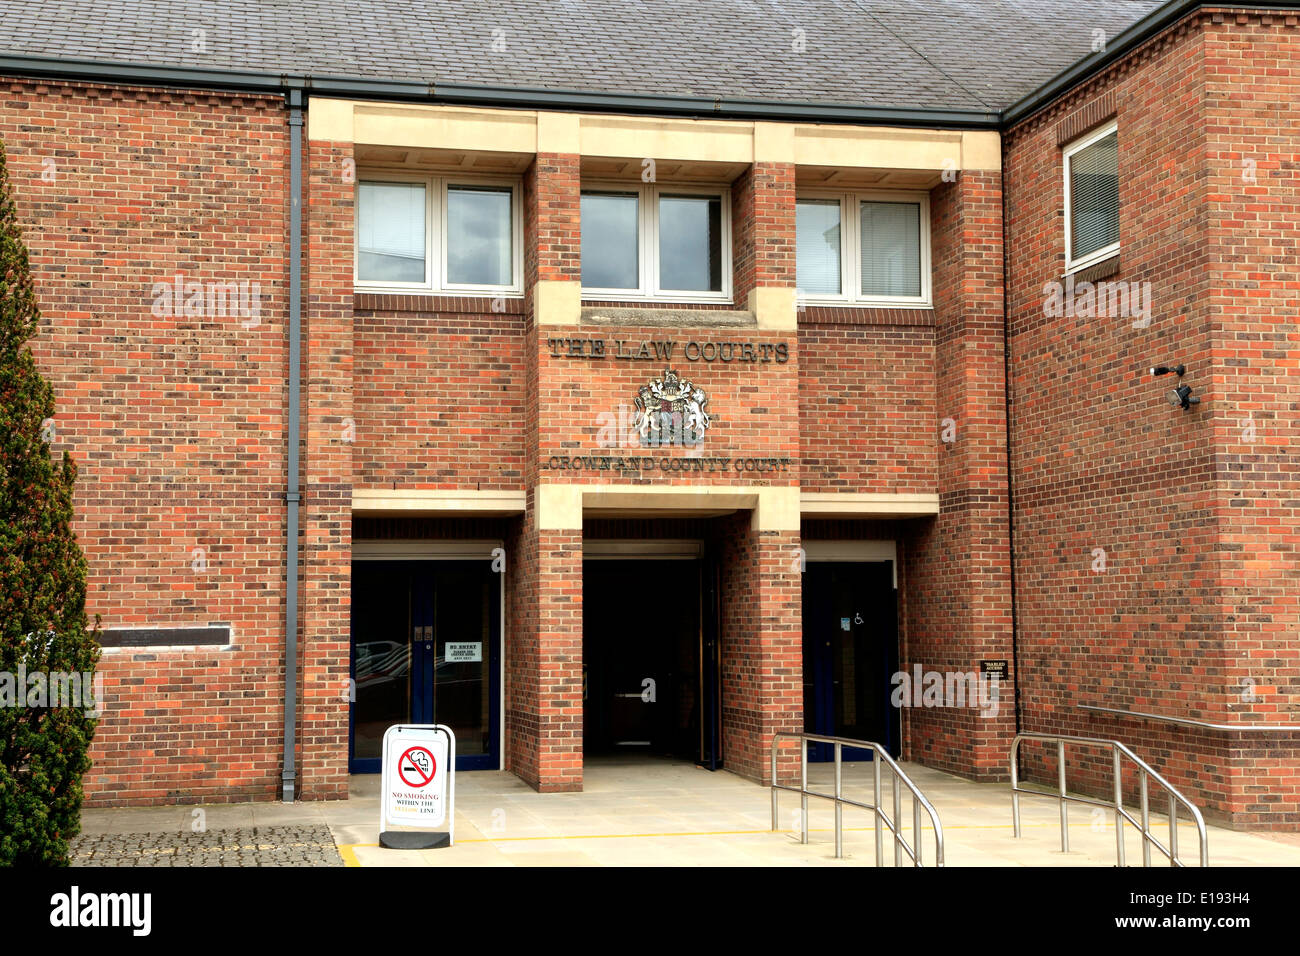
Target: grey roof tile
{"x": 936, "y": 54}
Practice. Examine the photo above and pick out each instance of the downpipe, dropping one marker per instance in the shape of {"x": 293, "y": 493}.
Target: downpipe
{"x": 293, "y": 496}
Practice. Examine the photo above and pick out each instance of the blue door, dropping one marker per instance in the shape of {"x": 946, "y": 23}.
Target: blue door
{"x": 425, "y": 650}
{"x": 850, "y": 653}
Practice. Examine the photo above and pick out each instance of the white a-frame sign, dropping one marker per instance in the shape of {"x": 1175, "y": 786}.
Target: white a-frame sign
{"x": 418, "y": 787}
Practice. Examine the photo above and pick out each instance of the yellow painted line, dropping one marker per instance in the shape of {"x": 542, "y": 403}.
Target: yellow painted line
{"x": 620, "y": 836}
{"x": 349, "y": 857}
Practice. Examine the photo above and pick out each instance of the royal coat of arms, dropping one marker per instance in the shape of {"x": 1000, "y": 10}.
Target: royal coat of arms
{"x": 671, "y": 411}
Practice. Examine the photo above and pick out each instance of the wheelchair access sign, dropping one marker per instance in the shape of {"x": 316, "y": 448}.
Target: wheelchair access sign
{"x": 417, "y": 776}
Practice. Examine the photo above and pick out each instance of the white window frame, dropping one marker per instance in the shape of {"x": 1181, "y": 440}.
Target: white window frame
{"x": 851, "y": 246}
{"x": 649, "y": 288}
{"x": 435, "y": 236}
{"x": 1106, "y": 252}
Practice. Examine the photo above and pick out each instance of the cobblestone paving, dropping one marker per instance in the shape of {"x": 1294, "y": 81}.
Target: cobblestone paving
{"x": 243, "y": 846}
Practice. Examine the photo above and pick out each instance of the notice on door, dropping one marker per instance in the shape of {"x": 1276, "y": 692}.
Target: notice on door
{"x": 463, "y": 653}
{"x": 414, "y": 775}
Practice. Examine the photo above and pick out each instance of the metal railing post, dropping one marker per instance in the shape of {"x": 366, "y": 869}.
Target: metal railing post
{"x": 839, "y": 807}
{"x": 916, "y": 831}
{"x": 875, "y": 802}
{"x": 1065, "y": 812}
{"x": 803, "y": 786}
{"x": 896, "y": 826}
{"x": 1015, "y": 785}
{"x": 1146, "y": 821}
{"x": 1173, "y": 831}
{"x": 775, "y": 791}
{"x": 1118, "y": 770}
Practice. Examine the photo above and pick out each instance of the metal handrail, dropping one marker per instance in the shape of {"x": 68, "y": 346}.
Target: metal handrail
{"x": 1145, "y": 771}
{"x": 1189, "y": 722}
{"x": 919, "y": 801}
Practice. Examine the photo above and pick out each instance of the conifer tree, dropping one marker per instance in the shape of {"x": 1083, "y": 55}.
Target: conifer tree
{"x": 43, "y": 626}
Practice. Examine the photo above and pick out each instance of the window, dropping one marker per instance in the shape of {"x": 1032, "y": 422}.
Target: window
{"x": 863, "y": 248}
{"x": 422, "y": 233}
{"x": 1092, "y": 198}
{"x": 662, "y": 242}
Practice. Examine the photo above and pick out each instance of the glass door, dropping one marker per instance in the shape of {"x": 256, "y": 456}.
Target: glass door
{"x": 383, "y": 651}
{"x": 462, "y": 670}
{"x": 425, "y": 650}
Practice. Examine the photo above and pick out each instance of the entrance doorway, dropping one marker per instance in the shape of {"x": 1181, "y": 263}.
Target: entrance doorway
{"x": 850, "y": 654}
{"x": 650, "y": 678}
{"x": 426, "y": 639}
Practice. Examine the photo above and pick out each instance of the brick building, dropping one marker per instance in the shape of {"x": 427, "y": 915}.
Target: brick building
{"x": 657, "y": 393}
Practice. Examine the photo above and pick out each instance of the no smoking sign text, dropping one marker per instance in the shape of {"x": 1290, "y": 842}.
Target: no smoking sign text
{"x": 415, "y": 793}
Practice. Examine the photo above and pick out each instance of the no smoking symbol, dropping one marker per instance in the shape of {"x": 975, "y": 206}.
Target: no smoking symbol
{"x": 416, "y": 767}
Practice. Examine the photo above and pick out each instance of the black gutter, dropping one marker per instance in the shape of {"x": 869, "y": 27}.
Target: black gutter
{"x": 1006, "y": 404}
{"x": 716, "y": 108}
{"x": 368, "y": 88}
{"x": 292, "y": 496}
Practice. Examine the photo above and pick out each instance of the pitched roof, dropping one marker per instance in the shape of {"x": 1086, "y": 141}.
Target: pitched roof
{"x": 906, "y": 54}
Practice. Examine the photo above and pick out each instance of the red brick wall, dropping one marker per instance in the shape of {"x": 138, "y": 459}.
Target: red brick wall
{"x": 957, "y": 568}
{"x": 1113, "y": 530}
{"x": 866, "y": 407}
{"x": 439, "y": 399}
{"x": 1195, "y": 605}
{"x": 1252, "y": 141}
{"x": 176, "y": 422}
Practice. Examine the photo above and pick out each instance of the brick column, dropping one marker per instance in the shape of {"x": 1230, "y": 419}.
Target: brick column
{"x": 763, "y": 242}
{"x": 544, "y": 660}
{"x": 762, "y": 646}
{"x": 326, "y": 556}
{"x": 544, "y": 653}
{"x": 959, "y": 570}
{"x": 552, "y": 239}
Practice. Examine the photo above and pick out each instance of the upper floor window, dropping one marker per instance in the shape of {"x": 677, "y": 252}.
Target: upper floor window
{"x": 1092, "y": 198}
{"x": 863, "y": 248}
{"x": 656, "y": 242}
{"x": 438, "y": 234}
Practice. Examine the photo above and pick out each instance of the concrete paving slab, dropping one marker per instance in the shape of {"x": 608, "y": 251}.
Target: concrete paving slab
{"x": 636, "y": 811}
